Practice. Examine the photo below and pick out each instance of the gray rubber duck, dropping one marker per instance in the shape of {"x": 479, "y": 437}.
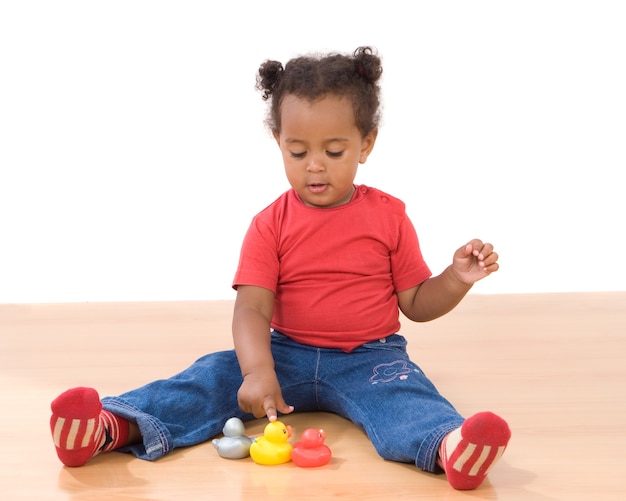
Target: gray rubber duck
{"x": 234, "y": 444}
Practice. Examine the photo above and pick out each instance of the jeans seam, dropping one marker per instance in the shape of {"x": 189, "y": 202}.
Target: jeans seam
{"x": 316, "y": 378}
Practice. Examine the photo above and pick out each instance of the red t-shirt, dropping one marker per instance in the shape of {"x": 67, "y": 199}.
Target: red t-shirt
{"x": 334, "y": 271}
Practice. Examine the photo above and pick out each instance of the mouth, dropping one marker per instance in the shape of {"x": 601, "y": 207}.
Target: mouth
{"x": 317, "y": 187}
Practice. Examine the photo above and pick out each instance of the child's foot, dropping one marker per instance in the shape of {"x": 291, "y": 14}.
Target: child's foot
{"x": 471, "y": 450}
{"x": 81, "y": 428}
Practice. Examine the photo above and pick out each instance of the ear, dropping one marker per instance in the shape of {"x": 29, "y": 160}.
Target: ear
{"x": 276, "y": 138}
{"x": 367, "y": 145}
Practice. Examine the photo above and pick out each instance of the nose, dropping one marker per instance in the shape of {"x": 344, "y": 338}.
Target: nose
{"x": 315, "y": 164}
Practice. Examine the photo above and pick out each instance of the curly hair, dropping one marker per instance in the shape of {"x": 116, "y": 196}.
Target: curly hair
{"x": 312, "y": 77}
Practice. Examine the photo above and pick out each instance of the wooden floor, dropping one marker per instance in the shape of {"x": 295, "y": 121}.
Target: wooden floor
{"x": 554, "y": 365}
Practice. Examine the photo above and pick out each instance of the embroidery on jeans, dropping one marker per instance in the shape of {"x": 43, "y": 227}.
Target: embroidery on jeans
{"x": 385, "y": 373}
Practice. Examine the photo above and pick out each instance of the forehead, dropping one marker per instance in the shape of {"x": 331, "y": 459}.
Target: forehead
{"x": 331, "y": 112}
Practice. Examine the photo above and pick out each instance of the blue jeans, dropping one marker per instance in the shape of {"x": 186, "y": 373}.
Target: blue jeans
{"x": 375, "y": 386}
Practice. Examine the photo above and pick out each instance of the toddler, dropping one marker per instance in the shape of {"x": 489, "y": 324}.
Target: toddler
{"x": 324, "y": 271}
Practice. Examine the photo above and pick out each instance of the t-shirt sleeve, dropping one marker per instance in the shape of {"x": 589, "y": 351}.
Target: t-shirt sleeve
{"x": 408, "y": 267}
{"x": 258, "y": 260}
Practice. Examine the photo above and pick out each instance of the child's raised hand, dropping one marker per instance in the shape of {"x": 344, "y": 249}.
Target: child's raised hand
{"x": 473, "y": 261}
{"x": 260, "y": 395}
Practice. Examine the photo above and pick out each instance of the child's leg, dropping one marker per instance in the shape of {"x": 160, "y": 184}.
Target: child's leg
{"x": 468, "y": 453}
{"x": 380, "y": 389}
{"x": 185, "y": 409}
{"x": 81, "y": 429}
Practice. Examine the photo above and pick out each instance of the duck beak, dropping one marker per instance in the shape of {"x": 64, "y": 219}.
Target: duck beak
{"x": 289, "y": 431}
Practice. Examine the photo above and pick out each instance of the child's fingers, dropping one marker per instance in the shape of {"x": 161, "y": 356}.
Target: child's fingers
{"x": 270, "y": 409}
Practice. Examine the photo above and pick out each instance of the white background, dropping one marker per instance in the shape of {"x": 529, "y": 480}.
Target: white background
{"x": 133, "y": 152}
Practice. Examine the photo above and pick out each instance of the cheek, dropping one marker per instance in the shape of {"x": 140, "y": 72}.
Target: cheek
{"x": 293, "y": 174}
{"x": 350, "y": 171}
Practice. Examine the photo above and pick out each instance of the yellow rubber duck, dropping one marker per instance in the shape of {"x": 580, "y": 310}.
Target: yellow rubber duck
{"x": 273, "y": 447}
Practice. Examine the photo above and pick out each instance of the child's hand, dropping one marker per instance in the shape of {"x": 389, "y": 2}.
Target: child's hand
{"x": 260, "y": 395}
{"x": 474, "y": 261}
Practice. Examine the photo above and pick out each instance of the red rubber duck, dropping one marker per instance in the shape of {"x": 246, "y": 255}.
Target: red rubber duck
{"x": 311, "y": 451}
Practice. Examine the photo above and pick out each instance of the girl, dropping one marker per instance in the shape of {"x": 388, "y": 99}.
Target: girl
{"x": 323, "y": 273}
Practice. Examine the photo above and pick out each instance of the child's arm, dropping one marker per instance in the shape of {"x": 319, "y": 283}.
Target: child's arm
{"x": 438, "y": 295}
{"x": 260, "y": 392}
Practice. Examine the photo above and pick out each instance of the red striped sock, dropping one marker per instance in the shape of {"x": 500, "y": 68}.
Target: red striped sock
{"x": 82, "y": 429}
{"x": 471, "y": 450}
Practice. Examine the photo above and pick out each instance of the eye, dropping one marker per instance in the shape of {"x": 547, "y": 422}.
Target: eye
{"x": 297, "y": 155}
{"x": 334, "y": 154}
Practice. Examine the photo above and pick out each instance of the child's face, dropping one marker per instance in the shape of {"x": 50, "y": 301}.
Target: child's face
{"x": 322, "y": 148}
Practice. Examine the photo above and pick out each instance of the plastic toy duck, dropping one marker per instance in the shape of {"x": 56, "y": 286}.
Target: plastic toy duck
{"x": 272, "y": 447}
{"x": 311, "y": 451}
{"x": 234, "y": 444}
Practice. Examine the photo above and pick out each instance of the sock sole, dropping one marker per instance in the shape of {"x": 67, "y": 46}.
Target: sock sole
{"x": 75, "y": 424}
{"x": 484, "y": 438}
